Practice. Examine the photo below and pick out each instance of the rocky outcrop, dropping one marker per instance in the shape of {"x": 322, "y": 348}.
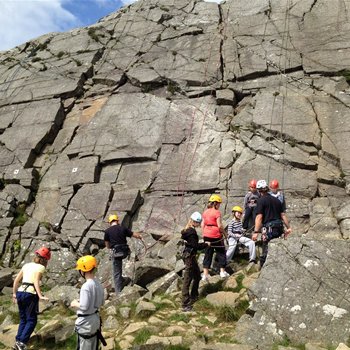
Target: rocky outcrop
{"x": 155, "y": 107}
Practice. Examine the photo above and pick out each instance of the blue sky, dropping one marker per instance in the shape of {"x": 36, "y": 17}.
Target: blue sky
{"x": 22, "y": 20}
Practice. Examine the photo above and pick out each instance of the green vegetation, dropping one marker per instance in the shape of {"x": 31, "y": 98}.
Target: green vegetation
{"x": 287, "y": 343}
{"x": 16, "y": 245}
{"x": 60, "y": 54}
{"x": 173, "y": 87}
{"x": 92, "y": 34}
{"x": 345, "y": 73}
{"x": 21, "y": 216}
{"x": 176, "y": 347}
{"x": 69, "y": 344}
{"x": 45, "y": 224}
{"x": 142, "y": 336}
{"x": 163, "y": 8}
{"x": 180, "y": 317}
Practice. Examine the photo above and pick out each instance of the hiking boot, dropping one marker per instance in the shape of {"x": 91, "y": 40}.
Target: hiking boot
{"x": 224, "y": 274}
{"x": 20, "y": 346}
{"x": 187, "y": 308}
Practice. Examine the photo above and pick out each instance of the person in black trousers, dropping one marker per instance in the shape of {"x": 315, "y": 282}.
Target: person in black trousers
{"x": 192, "y": 272}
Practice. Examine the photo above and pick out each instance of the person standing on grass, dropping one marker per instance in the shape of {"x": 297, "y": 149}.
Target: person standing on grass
{"x": 213, "y": 232}
{"x": 192, "y": 272}
{"x": 88, "y": 323}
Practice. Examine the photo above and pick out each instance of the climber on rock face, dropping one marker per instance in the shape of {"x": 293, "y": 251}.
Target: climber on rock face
{"x": 115, "y": 240}
{"x": 270, "y": 219}
{"x": 213, "y": 232}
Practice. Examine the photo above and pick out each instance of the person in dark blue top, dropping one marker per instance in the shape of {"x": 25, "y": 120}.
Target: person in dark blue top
{"x": 115, "y": 239}
{"x": 192, "y": 272}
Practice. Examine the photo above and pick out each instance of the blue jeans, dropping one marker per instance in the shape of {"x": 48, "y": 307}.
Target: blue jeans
{"x": 117, "y": 274}
{"x": 28, "y": 306}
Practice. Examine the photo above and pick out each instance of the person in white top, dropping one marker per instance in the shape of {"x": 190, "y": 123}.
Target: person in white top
{"x": 27, "y": 295}
{"x": 88, "y": 323}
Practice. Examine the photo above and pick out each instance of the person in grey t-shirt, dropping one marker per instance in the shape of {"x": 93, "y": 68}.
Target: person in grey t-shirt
{"x": 88, "y": 323}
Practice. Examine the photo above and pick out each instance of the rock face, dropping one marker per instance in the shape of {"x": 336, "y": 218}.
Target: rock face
{"x": 155, "y": 107}
{"x": 301, "y": 295}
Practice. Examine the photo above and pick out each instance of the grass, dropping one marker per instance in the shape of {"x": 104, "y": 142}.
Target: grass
{"x": 142, "y": 336}
{"x": 287, "y": 343}
{"x": 69, "y": 344}
{"x": 60, "y": 309}
{"x": 21, "y": 216}
{"x": 180, "y": 317}
{"x": 92, "y": 34}
{"x": 212, "y": 288}
{"x": 345, "y": 73}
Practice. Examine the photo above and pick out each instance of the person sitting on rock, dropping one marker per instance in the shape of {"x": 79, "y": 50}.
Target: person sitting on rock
{"x": 28, "y": 294}
{"x": 88, "y": 323}
{"x": 115, "y": 239}
{"x": 189, "y": 256}
{"x": 249, "y": 205}
{"x": 213, "y": 232}
{"x": 235, "y": 236}
{"x": 276, "y": 192}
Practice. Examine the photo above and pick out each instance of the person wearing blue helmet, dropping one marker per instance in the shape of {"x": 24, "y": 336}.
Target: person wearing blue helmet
{"x": 191, "y": 273}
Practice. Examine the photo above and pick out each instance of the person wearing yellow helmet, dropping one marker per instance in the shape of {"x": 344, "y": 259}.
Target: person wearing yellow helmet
{"x": 91, "y": 298}
{"x": 235, "y": 236}
{"x": 213, "y": 232}
{"x": 115, "y": 238}
{"x": 27, "y": 293}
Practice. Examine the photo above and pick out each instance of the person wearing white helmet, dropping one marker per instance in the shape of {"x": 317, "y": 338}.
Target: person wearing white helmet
{"x": 270, "y": 219}
{"x": 192, "y": 272}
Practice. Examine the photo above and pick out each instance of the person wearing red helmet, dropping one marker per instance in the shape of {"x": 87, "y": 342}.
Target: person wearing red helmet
{"x": 27, "y": 295}
{"x": 249, "y": 205}
{"x": 276, "y": 192}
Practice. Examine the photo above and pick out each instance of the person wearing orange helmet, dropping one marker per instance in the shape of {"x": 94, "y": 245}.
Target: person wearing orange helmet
{"x": 276, "y": 192}
{"x": 91, "y": 298}
{"x": 249, "y": 205}
{"x": 213, "y": 232}
{"x": 27, "y": 295}
{"x": 115, "y": 238}
{"x": 235, "y": 236}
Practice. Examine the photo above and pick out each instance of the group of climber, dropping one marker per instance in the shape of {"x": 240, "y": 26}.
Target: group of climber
{"x": 27, "y": 293}
{"x": 264, "y": 207}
